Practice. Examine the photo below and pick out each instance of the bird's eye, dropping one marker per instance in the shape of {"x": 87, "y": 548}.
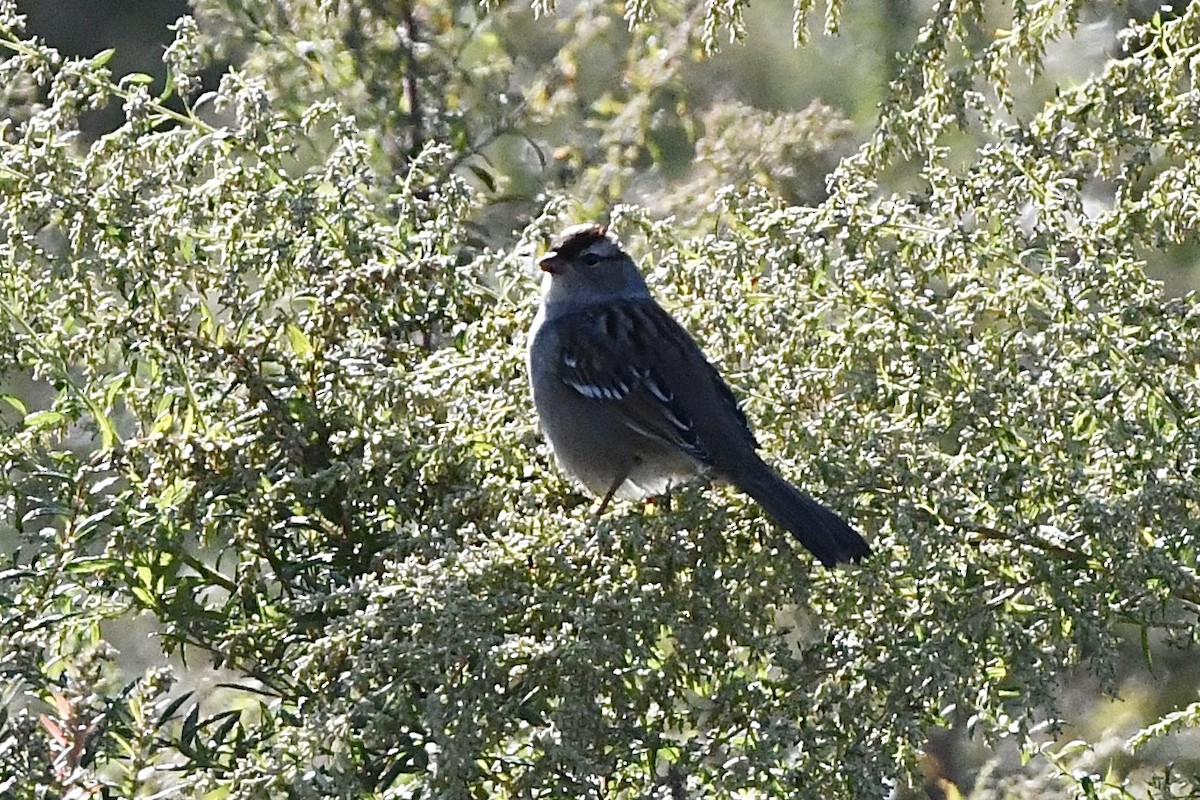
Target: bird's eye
{"x": 590, "y": 259}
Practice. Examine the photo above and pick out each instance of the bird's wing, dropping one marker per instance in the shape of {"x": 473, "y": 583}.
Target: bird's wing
{"x": 633, "y": 358}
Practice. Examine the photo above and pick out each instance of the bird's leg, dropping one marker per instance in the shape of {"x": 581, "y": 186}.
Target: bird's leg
{"x": 612, "y": 490}
{"x": 598, "y": 533}
{"x": 616, "y": 484}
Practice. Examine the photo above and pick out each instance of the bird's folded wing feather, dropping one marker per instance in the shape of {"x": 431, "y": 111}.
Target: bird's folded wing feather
{"x": 633, "y": 358}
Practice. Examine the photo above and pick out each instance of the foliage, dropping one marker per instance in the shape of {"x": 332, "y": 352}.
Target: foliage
{"x": 263, "y": 387}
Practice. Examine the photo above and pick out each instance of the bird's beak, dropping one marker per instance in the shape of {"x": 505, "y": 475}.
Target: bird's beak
{"x": 550, "y": 263}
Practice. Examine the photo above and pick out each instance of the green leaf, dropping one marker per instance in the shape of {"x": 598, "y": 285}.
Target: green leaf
{"x": 298, "y": 339}
{"x": 108, "y": 431}
{"x": 15, "y": 402}
{"x": 43, "y": 420}
{"x": 92, "y": 564}
{"x": 162, "y": 423}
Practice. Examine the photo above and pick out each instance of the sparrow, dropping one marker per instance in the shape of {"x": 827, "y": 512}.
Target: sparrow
{"x": 631, "y": 407}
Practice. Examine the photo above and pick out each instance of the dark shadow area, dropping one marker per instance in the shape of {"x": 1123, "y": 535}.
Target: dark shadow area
{"x": 136, "y": 29}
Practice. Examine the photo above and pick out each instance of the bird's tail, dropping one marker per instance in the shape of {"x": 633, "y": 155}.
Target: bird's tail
{"x": 823, "y": 532}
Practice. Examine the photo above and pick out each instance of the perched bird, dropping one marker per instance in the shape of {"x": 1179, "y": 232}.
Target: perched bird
{"x": 630, "y": 405}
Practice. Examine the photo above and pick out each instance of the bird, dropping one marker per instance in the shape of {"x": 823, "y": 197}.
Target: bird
{"x": 631, "y": 407}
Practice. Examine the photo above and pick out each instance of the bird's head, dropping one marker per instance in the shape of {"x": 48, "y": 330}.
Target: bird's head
{"x": 585, "y": 265}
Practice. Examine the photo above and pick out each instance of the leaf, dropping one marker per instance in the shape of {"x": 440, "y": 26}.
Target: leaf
{"x": 108, "y": 431}
{"x": 102, "y": 485}
{"x": 163, "y": 423}
{"x": 168, "y": 88}
{"x": 85, "y": 526}
{"x": 173, "y": 493}
{"x": 186, "y": 248}
{"x": 91, "y": 565}
{"x": 232, "y": 717}
{"x": 53, "y": 728}
{"x": 190, "y": 728}
{"x": 168, "y": 713}
{"x": 15, "y": 402}
{"x": 43, "y": 420}
{"x": 298, "y": 339}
